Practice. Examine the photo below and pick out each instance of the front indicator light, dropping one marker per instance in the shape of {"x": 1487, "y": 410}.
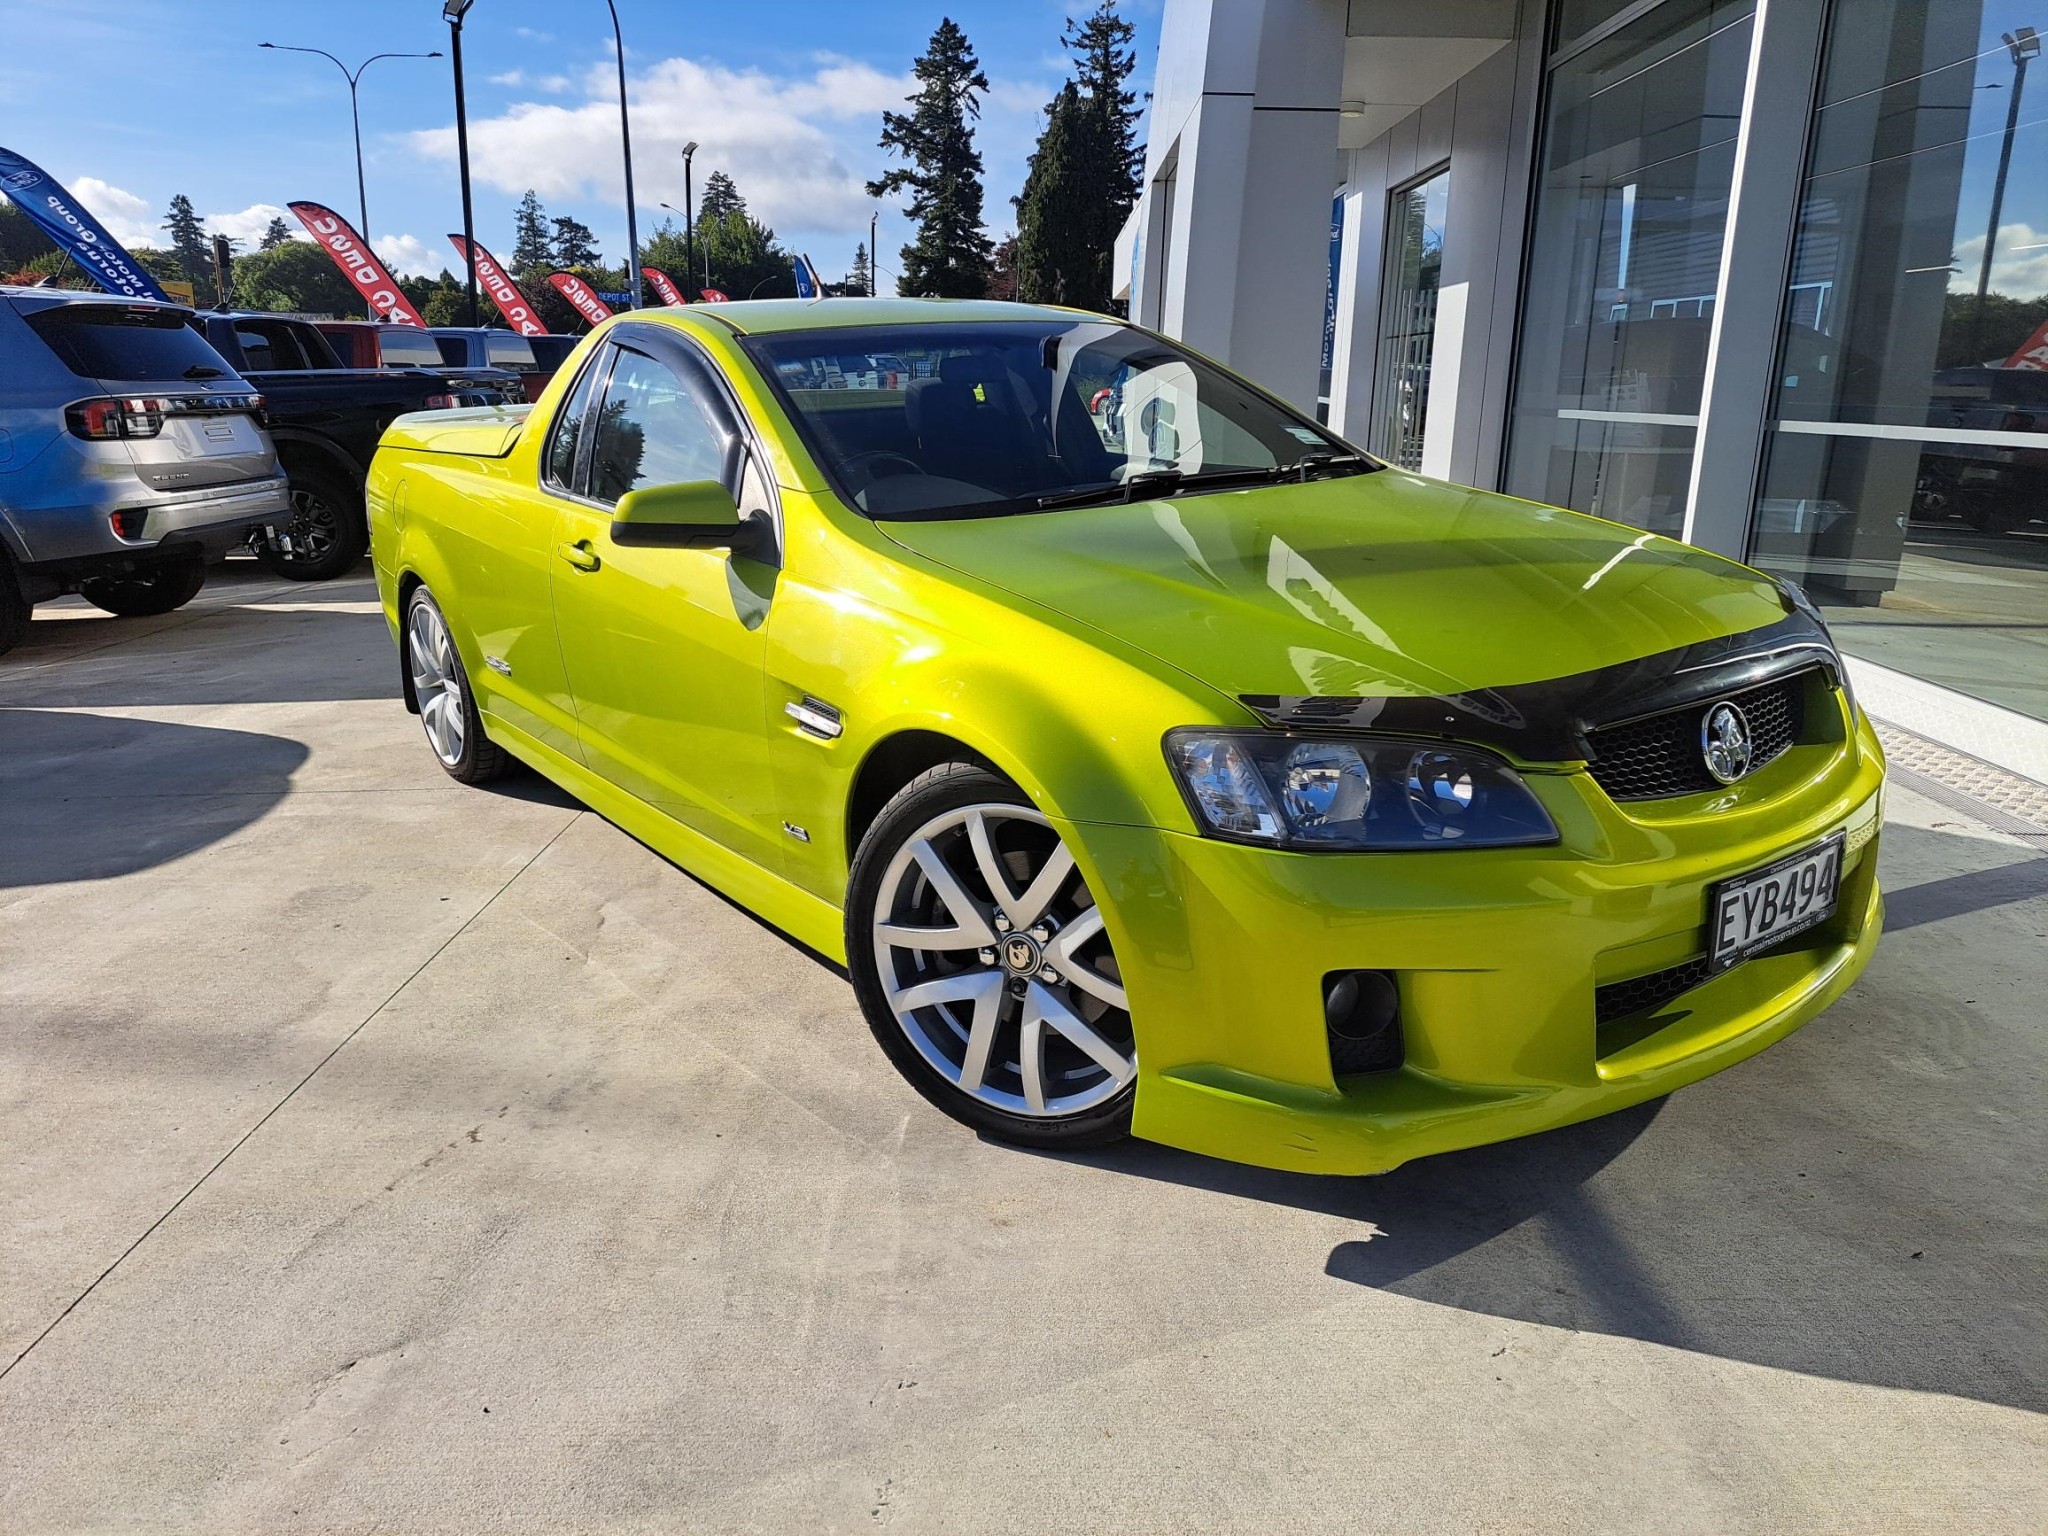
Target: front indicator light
{"x": 1360, "y": 794}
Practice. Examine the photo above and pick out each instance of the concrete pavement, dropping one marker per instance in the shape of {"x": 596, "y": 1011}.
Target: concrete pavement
{"x": 383, "y": 1155}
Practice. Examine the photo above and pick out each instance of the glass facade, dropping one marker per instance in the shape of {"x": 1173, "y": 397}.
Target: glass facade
{"x": 1637, "y": 159}
{"x": 1906, "y": 478}
{"x": 1415, "y": 264}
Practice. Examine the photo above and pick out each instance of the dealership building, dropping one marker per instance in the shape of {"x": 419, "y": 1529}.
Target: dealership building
{"x": 1767, "y": 275}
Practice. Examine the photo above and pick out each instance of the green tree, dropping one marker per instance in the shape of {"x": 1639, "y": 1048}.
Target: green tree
{"x": 297, "y": 276}
{"x": 744, "y": 259}
{"x": 573, "y": 244}
{"x": 275, "y": 233}
{"x": 447, "y": 302}
{"x": 530, "y": 243}
{"x": 1062, "y": 257}
{"x": 948, "y": 257}
{"x": 666, "y": 251}
{"x": 860, "y": 281}
{"x": 188, "y": 239}
{"x": 1101, "y": 48}
{"x": 721, "y": 198}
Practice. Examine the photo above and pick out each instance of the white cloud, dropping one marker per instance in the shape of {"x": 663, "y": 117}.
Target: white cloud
{"x": 248, "y": 225}
{"x": 2019, "y": 263}
{"x": 555, "y": 85}
{"x": 532, "y": 36}
{"x": 510, "y": 77}
{"x": 410, "y": 256}
{"x": 801, "y": 147}
{"x": 127, "y": 217}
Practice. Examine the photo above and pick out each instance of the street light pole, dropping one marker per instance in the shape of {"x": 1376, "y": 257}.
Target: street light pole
{"x": 2022, "y": 43}
{"x": 874, "y": 220}
{"x": 633, "y": 278}
{"x": 354, "y": 111}
{"x": 689, "y": 217}
{"x": 452, "y": 13}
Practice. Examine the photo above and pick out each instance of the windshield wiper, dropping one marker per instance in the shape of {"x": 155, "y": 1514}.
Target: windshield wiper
{"x": 1151, "y": 483}
{"x": 1321, "y": 463}
{"x": 203, "y": 371}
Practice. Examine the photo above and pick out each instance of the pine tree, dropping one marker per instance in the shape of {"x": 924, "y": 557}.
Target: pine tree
{"x": 721, "y": 198}
{"x": 275, "y": 233}
{"x": 530, "y": 242}
{"x": 860, "y": 281}
{"x": 948, "y": 257}
{"x": 1061, "y": 256}
{"x": 1101, "y": 47}
{"x": 188, "y": 239}
{"x": 573, "y": 244}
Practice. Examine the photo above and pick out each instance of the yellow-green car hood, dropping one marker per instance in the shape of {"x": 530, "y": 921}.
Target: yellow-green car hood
{"x": 1382, "y": 584}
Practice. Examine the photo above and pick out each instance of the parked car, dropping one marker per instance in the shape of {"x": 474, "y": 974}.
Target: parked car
{"x": 130, "y": 455}
{"x": 533, "y": 358}
{"x": 1220, "y": 784}
{"x": 372, "y": 344}
{"x": 325, "y": 420}
{"x": 1994, "y": 487}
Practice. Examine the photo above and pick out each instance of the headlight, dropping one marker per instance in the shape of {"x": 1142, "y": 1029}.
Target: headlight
{"x": 1368, "y": 793}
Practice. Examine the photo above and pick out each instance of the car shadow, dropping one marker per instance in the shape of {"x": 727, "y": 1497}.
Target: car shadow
{"x": 89, "y": 797}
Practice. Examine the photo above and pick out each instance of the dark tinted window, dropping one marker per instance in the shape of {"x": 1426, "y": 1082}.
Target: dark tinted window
{"x": 98, "y": 342}
{"x": 404, "y": 347}
{"x": 509, "y": 351}
{"x": 454, "y": 350}
{"x": 652, "y": 430}
{"x": 561, "y": 460}
{"x": 551, "y": 351}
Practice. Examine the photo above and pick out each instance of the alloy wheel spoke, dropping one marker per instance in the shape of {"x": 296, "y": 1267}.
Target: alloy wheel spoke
{"x": 1045, "y": 885}
{"x": 1047, "y": 1007}
{"x": 1031, "y": 1057}
{"x": 1063, "y": 955}
{"x": 971, "y": 920}
{"x": 991, "y": 867}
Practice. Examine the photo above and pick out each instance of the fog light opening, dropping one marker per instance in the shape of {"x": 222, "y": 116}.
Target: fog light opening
{"x": 128, "y": 525}
{"x": 1362, "y": 1014}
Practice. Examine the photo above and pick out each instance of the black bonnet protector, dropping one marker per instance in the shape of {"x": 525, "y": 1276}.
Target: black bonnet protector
{"x": 1548, "y": 722}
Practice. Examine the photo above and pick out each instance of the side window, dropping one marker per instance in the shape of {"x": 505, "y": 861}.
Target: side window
{"x": 568, "y": 432}
{"x": 652, "y": 429}
{"x": 514, "y": 352}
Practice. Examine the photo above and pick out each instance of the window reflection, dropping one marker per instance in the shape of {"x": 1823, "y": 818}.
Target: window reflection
{"x": 1632, "y": 210}
{"x": 1907, "y": 475}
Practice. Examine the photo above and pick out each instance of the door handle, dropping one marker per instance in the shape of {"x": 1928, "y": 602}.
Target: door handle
{"x": 580, "y": 555}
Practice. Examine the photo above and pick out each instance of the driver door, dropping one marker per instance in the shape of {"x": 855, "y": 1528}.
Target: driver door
{"x": 664, "y": 647}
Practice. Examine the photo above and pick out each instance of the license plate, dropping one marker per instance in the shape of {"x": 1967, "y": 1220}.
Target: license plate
{"x": 1755, "y": 911}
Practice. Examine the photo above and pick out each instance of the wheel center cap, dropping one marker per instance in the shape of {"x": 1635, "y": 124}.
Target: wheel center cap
{"x": 1021, "y": 955}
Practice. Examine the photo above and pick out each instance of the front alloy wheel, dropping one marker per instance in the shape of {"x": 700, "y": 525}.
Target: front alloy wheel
{"x": 984, "y": 965}
{"x": 440, "y": 688}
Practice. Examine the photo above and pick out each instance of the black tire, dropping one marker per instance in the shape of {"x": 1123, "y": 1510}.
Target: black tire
{"x": 477, "y": 759}
{"x": 949, "y": 787}
{"x": 159, "y": 590}
{"x": 14, "y": 608}
{"x": 326, "y": 527}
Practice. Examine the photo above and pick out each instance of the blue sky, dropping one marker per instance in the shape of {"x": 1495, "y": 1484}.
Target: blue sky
{"x": 130, "y": 103}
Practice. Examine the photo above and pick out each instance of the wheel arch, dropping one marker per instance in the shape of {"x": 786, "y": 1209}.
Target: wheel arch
{"x": 892, "y": 762}
{"x": 296, "y": 449}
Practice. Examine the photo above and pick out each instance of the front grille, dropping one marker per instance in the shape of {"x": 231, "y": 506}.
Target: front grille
{"x": 1660, "y": 756}
{"x": 1640, "y": 994}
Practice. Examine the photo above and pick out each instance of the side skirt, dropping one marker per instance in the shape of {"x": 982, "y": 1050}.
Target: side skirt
{"x": 815, "y": 923}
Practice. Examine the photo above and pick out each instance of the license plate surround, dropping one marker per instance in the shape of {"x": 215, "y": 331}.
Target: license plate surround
{"x": 1721, "y": 896}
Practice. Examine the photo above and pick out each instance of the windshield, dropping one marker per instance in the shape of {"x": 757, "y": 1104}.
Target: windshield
{"x": 404, "y": 347}
{"x": 982, "y": 419}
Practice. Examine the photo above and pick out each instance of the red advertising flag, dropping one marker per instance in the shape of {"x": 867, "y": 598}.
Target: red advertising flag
{"x": 713, "y": 296}
{"x": 577, "y": 292}
{"x": 514, "y": 305}
{"x": 664, "y": 285}
{"x": 2033, "y": 352}
{"x": 357, "y": 262}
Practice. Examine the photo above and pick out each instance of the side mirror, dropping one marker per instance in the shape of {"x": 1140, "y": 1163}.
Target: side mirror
{"x": 697, "y": 514}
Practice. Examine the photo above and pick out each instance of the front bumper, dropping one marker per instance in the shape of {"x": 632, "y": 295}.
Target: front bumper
{"x": 1497, "y": 954}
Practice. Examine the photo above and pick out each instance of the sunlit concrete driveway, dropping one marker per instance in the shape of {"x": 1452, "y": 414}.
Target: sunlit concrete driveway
{"x": 382, "y": 1155}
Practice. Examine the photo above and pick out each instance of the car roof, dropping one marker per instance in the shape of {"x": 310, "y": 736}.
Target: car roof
{"x": 51, "y": 298}
{"x": 761, "y": 317}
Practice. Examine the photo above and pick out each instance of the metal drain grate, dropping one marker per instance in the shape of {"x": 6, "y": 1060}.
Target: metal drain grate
{"x": 1999, "y": 798}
